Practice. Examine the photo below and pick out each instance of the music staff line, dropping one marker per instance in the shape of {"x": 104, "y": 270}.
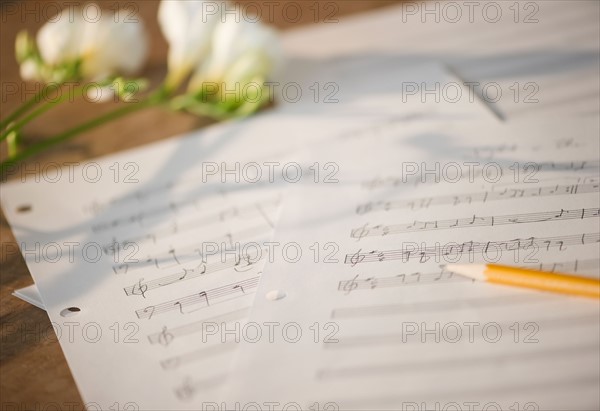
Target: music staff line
{"x": 398, "y": 338}
{"x": 189, "y": 388}
{"x": 115, "y": 246}
{"x": 167, "y": 335}
{"x": 177, "y": 228}
{"x": 371, "y": 283}
{"x": 481, "y": 197}
{"x": 395, "y": 181}
{"x": 203, "y": 298}
{"x": 444, "y": 277}
{"x": 455, "y": 249}
{"x": 474, "y": 221}
{"x": 161, "y": 189}
{"x": 496, "y": 390}
{"x": 142, "y": 195}
{"x": 437, "y": 306}
{"x": 241, "y": 263}
{"x": 452, "y": 363}
{"x": 200, "y": 354}
{"x": 191, "y": 252}
{"x": 220, "y": 215}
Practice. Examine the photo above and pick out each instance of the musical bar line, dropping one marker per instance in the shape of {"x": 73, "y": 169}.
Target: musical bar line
{"x": 240, "y": 263}
{"x": 167, "y": 335}
{"x": 445, "y": 277}
{"x": 219, "y": 215}
{"x": 481, "y": 197}
{"x": 426, "y": 252}
{"x": 371, "y": 283}
{"x": 396, "y": 181}
{"x": 474, "y": 221}
{"x": 190, "y": 253}
{"x": 202, "y": 298}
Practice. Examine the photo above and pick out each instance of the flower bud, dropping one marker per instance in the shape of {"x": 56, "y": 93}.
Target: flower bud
{"x": 188, "y": 28}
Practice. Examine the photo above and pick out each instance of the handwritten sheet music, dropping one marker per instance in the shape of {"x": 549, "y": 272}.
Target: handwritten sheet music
{"x": 368, "y": 318}
{"x": 138, "y": 254}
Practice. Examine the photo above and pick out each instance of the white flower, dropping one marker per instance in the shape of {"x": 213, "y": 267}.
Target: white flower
{"x": 240, "y": 51}
{"x": 113, "y": 45}
{"x": 59, "y": 40}
{"x": 30, "y": 70}
{"x": 109, "y": 46}
{"x": 187, "y": 26}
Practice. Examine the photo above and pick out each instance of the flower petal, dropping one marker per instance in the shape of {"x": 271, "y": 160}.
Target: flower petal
{"x": 235, "y": 40}
{"x": 59, "y": 39}
{"x": 187, "y": 25}
{"x": 113, "y": 45}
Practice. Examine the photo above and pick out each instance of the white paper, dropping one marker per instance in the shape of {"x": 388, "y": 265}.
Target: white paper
{"x": 368, "y": 318}
{"x": 31, "y": 295}
{"x": 128, "y": 250}
{"x": 542, "y": 55}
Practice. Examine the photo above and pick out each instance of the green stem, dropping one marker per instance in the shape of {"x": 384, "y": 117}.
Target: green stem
{"x": 153, "y": 100}
{"x": 77, "y": 92}
{"x": 36, "y": 113}
{"x": 25, "y": 107}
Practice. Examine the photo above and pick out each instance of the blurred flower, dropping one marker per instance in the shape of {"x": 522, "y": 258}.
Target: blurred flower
{"x": 187, "y": 25}
{"x": 239, "y": 51}
{"x": 30, "y": 70}
{"x": 244, "y": 55}
{"x": 119, "y": 89}
{"x": 59, "y": 40}
{"x": 28, "y": 57}
{"x": 69, "y": 47}
{"x": 229, "y": 61}
{"x": 113, "y": 46}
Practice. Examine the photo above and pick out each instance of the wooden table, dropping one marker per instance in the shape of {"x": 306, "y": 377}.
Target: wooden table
{"x": 33, "y": 370}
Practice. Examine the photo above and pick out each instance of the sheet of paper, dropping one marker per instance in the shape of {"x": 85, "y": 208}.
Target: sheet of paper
{"x": 530, "y": 59}
{"x": 327, "y": 84}
{"x": 136, "y": 254}
{"x": 366, "y": 316}
{"x": 429, "y": 32}
{"x": 31, "y": 295}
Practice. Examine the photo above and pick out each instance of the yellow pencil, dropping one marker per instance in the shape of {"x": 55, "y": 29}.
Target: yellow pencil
{"x": 520, "y": 277}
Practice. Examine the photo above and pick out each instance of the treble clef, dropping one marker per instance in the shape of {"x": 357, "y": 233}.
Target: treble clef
{"x": 165, "y": 337}
{"x": 360, "y": 232}
{"x": 186, "y": 391}
{"x": 351, "y": 285}
{"x": 139, "y": 288}
{"x": 357, "y": 258}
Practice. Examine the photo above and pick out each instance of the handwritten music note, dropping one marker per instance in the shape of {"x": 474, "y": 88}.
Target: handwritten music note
{"x": 391, "y": 297}
{"x": 475, "y": 221}
{"x": 560, "y": 242}
{"x": 202, "y": 269}
{"x": 483, "y": 197}
{"x": 165, "y": 337}
{"x": 204, "y": 297}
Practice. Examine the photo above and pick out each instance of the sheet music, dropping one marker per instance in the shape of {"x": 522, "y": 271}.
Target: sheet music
{"x": 137, "y": 255}
{"x": 368, "y": 318}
